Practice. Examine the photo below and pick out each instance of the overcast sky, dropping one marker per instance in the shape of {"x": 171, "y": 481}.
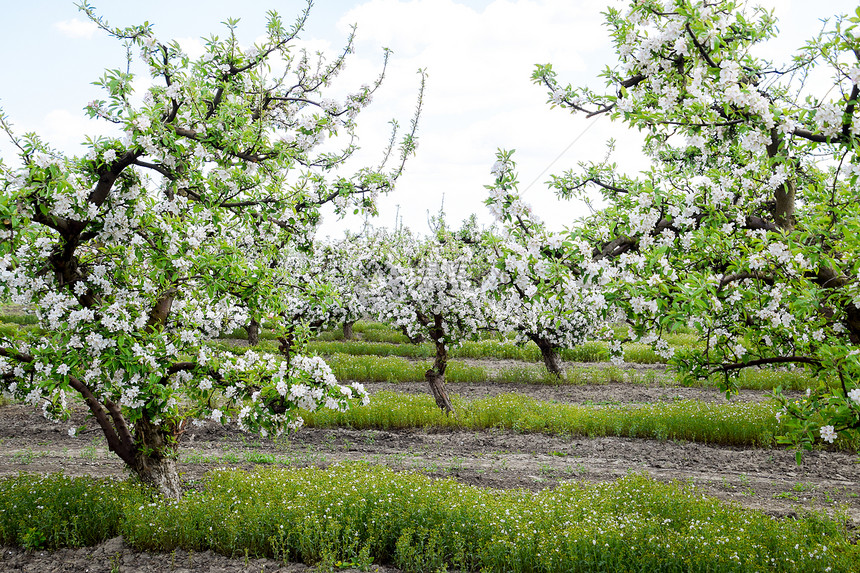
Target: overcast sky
{"x": 479, "y": 56}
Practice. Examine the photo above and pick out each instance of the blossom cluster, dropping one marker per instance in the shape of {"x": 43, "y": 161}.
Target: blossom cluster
{"x": 428, "y": 287}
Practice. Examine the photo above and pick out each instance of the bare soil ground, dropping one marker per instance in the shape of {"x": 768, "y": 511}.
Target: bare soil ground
{"x": 763, "y": 479}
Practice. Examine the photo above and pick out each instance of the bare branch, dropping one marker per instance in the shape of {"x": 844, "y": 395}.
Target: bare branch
{"x": 765, "y": 361}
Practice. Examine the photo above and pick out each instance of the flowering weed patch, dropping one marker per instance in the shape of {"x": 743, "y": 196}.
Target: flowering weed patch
{"x": 48, "y": 512}
{"x": 362, "y": 514}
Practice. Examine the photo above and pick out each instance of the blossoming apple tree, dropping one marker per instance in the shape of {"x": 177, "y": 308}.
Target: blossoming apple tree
{"x": 430, "y": 287}
{"x": 348, "y": 267}
{"x": 308, "y": 304}
{"x": 536, "y": 280}
{"x": 132, "y": 255}
{"x": 746, "y": 224}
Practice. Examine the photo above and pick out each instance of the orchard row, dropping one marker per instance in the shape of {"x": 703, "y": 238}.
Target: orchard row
{"x": 190, "y": 221}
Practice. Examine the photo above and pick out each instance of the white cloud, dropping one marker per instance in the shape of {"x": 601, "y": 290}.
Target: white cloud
{"x": 479, "y": 98}
{"x": 60, "y": 129}
{"x": 67, "y": 131}
{"x": 75, "y": 28}
{"x": 192, "y": 46}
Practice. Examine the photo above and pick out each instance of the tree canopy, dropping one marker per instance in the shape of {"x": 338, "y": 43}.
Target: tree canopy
{"x": 745, "y": 226}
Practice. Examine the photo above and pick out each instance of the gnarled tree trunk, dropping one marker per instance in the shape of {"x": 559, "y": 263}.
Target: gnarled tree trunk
{"x": 436, "y": 376}
{"x": 437, "y": 387}
{"x": 287, "y": 345}
{"x": 347, "y": 329}
{"x": 160, "y": 474}
{"x": 150, "y": 452}
{"x": 253, "y": 329}
{"x": 550, "y": 356}
{"x": 154, "y": 458}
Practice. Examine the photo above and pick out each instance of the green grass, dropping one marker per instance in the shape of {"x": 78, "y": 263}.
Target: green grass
{"x": 357, "y": 514}
{"x": 15, "y": 330}
{"x": 16, "y": 317}
{"x": 47, "y": 512}
{"x": 368, "y": 331}
{"x": 395, "y": 369}
{"x": 364, "y": 332}
{"x": 9, "y": 330}
{"x": 376, "y": 368}
{"x": 363, "y": 348}
{"x": 768, "y": 379}
{"x": 329, "y": 335}
{"x": 592, "y": 351}
{"x": 386, "y": 368}
{"x": 387, "y": 336}
{"x": 21, "y": 319}
{"x": 469, "y": 349}
{"x": 375, "y": 339}
{"x": 729, "y": 424}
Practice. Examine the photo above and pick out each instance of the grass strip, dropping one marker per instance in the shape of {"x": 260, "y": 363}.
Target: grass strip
{"x": 394, "y": 369}
{"x": 729, "y": 424}
{"x": 358, "y": 514}
{"x": 592, "y": 351}
{"x": 797, "y": 379}
{"x": 20, "y": 319}
{"x": 366, "y": 348}
{"x": 385, "y": 368}
{"x": 380, "y": 340}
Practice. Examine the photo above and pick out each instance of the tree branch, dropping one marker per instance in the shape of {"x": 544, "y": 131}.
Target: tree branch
{"x": 764, "y": 361}
{"x": 118, "y": 437}
{"x": 701, "y": 48}
{"x": 185, "y": 366}
{"x": 118, "y": 441}
{"x": 161, "y": 310}
{"x": 106, "y": 180}
{"x": 768, "y": 279}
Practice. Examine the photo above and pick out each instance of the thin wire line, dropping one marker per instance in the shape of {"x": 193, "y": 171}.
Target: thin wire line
{"x": 566, "y": 149}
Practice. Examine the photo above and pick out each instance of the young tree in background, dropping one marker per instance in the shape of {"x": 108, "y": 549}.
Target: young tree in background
{"x": 348, "y": 266}
{"x": 746, "y": 225}
{"x": 131, "y": 255}
{"x": 536, "y": 280}
{"x": 430, "y": 287}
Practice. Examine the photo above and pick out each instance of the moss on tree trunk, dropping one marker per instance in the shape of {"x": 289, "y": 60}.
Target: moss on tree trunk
{"x": 154, "y": 458}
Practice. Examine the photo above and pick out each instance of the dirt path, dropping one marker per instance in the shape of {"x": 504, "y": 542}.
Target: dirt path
{"x": 764, "y": 479}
